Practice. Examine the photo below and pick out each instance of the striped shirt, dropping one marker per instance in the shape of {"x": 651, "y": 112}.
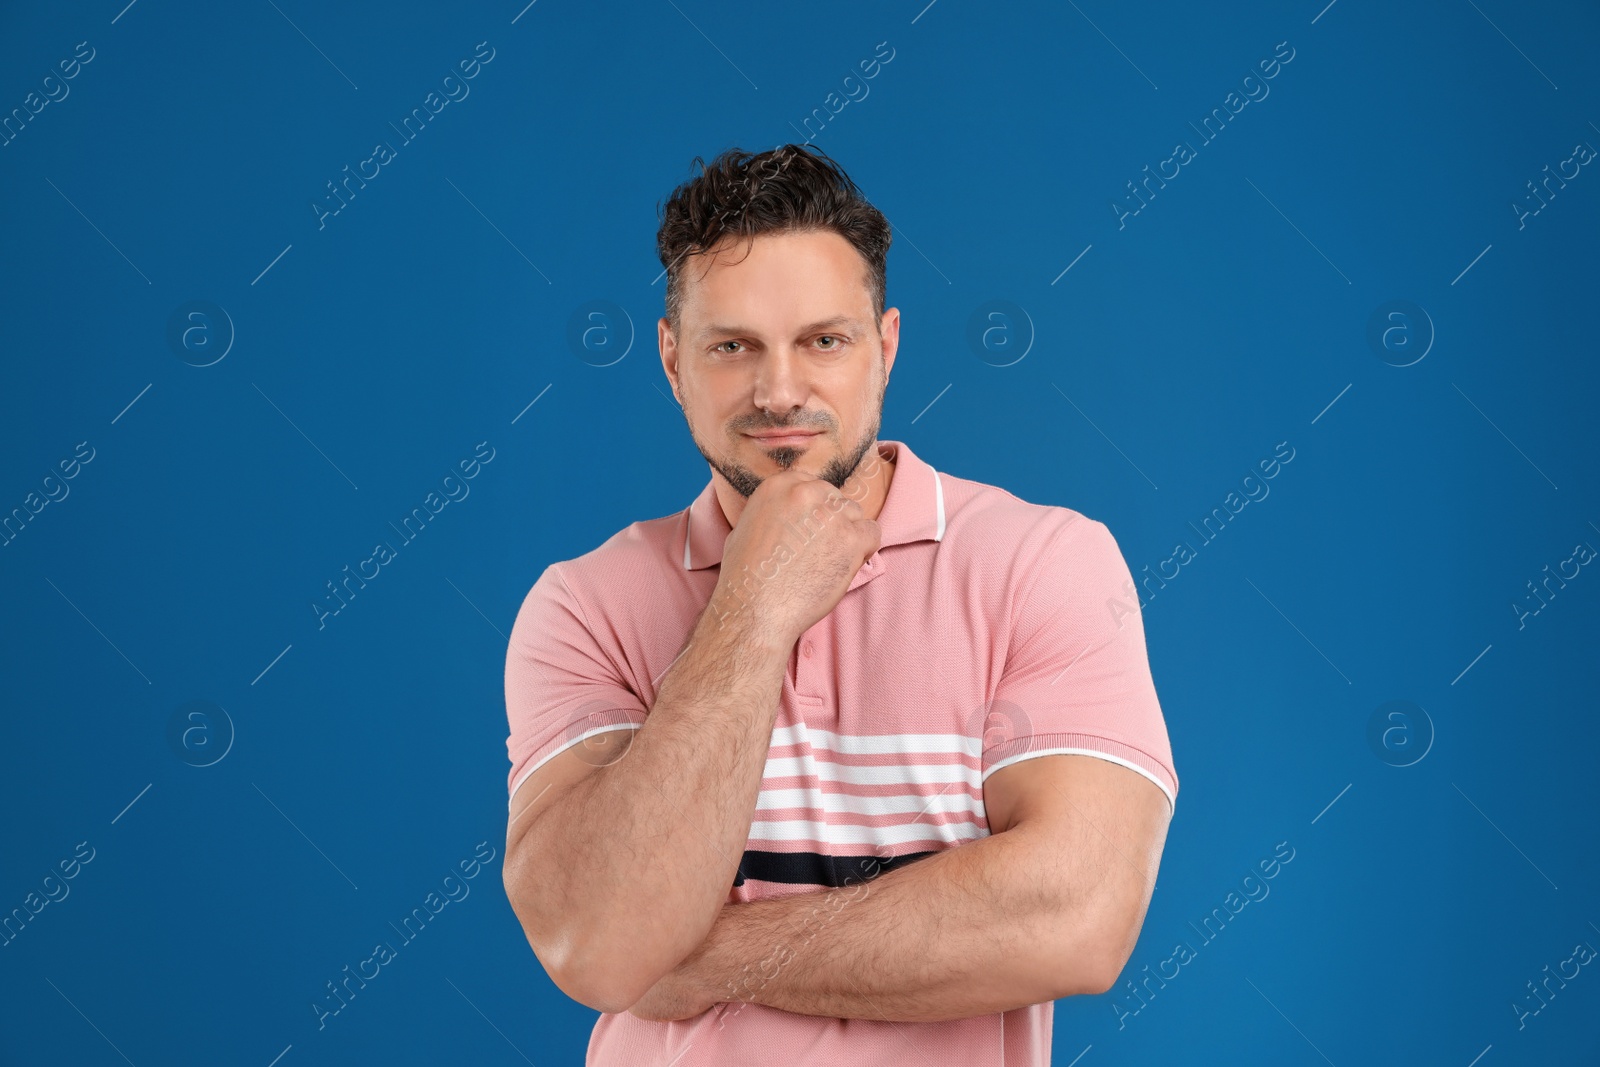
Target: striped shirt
{"x": 983, "y": 631}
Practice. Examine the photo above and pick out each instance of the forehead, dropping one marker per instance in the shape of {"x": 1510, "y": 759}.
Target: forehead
{"x": 775, "y": 280}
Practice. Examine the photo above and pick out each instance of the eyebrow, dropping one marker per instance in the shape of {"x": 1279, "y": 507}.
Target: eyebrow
{"x": 837, "y": 321}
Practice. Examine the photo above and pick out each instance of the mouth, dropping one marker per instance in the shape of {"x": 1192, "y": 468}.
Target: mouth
{"x": 795, "y": 439}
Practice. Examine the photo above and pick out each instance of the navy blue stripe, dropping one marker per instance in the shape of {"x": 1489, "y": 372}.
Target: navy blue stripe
{"x": 810, "y": 868}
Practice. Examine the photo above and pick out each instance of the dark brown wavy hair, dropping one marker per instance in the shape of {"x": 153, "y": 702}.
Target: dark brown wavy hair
{"x": 792, "y": 188}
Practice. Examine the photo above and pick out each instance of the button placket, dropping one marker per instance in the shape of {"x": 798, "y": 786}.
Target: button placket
{"x": 806, "y": 660}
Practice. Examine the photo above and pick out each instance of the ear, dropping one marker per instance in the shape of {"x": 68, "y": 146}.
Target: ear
{"x": 889, "y": 327}
{"x": 669, "y": 355}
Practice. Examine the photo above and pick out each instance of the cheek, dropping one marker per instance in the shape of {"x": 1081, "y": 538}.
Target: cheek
{"x": 867, "y": 399}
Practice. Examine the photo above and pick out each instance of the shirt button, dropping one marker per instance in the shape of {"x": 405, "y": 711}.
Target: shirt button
{"x": 805, "y": 650}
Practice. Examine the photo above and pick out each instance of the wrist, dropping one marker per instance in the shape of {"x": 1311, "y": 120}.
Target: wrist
{"x": 736, "y": 625}
{"x": 703, "y": 983}
{"x": 722, "y": 967}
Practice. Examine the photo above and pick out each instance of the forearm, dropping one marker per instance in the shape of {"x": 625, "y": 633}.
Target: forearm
{"x": 988, "y": 926}
{"x": 637, "y": 857}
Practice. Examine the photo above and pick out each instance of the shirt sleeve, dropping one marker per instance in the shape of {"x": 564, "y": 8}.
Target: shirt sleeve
{"x": 1077, "y": 677}
{"x": 562, "y": 684}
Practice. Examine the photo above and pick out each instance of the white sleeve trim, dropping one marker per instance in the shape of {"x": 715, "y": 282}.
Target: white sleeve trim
{"x": 1172, "y": 801}
{"x": 553, "y": 753}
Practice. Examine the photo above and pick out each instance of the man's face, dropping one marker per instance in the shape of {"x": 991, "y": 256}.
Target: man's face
{"x": 781, "y": 338}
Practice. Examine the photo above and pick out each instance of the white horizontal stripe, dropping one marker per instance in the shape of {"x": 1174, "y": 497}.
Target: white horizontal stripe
{"x": 902, "y": 775}
{"x": 834, "y": 834}
{"x": 949, "y": 801}
{"x": 877, "y": 744}
{"x": 1172, "y": 801}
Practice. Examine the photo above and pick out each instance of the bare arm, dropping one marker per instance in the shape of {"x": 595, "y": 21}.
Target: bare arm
{"x": 617, "y": 871}
{"x": 1048, "y": 906}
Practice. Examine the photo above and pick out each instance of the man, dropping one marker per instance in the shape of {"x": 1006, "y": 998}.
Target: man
{"x": 851, "y": 761}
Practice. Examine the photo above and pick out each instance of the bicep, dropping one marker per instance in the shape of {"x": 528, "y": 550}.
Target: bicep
{"x": 552, "y": 781}
{"x": 1100, "y": 829}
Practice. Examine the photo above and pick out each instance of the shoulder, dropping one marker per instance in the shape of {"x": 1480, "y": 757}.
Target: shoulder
{"x": 632, "y": 564}
{"x": 992, "y": 522}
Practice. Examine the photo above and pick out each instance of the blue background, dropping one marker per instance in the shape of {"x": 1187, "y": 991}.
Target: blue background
{"x": 369, "y": 355}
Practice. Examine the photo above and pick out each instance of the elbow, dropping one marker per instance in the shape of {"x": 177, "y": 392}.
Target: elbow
{"x": 1102, "y": 975}
{"x": 607, "y": 975}
{"x": 1091, "y": 973}
{"x": 608, "y": 981}
{"x": 600, "y": 960}
{"x": 1108, "y": 958}
{"x": 607, "y": 1004}
{"x": 596, "y": 991}
{"x": 1096, "y": 954}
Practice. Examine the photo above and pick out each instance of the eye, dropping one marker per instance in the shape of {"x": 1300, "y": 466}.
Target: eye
{"x": 718, "y": 347}
{"x": 831, "y": 337}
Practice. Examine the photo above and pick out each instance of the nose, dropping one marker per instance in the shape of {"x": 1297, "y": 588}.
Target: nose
{"x": 781, "y": 383}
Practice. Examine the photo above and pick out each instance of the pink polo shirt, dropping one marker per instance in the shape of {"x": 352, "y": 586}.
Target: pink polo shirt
{"x": 983, "y": 631}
